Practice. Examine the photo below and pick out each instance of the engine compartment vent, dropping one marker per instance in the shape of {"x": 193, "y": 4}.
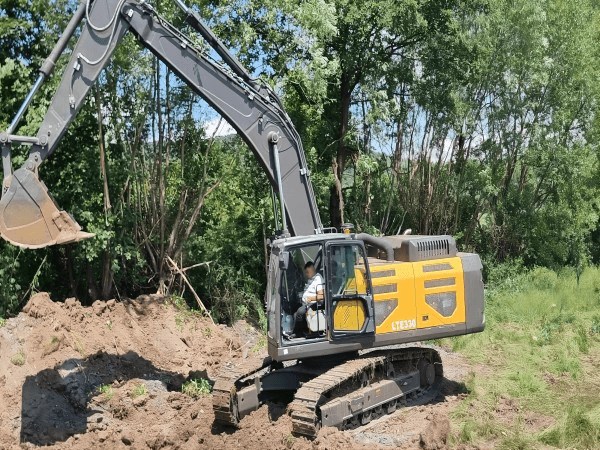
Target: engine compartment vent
{"x": 422, "y": 248}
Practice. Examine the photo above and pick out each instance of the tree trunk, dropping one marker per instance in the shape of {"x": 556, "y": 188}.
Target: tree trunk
{"x": 107, "y": 274}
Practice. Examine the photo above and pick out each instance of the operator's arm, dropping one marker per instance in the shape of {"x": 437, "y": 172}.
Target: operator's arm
{"x": 314, "y": 292}
{"x": 316, "y": 297}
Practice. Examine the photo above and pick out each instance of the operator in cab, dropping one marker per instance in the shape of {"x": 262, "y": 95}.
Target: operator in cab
{"x": 312, "y": 292}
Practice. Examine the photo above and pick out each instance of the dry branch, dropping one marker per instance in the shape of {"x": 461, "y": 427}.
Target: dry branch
{"x": 180, "y": 272}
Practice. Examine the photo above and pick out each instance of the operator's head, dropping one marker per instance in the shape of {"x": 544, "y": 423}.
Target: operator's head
{"x": 309, "y": 269}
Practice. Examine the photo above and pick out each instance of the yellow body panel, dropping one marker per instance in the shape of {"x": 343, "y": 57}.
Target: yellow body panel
{"x": 448, "y": 282}
{"x": 349, "y": 316}
{"x": 406, "y": 294}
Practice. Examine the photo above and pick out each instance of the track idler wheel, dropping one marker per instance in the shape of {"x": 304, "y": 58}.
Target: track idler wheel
{"x": 30, "y": 218}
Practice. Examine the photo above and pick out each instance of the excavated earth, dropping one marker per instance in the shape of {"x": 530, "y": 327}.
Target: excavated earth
{"x": 70, "y": 378}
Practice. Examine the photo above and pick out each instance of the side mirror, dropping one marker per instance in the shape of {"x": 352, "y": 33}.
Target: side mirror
{"x": 284, "y": 260}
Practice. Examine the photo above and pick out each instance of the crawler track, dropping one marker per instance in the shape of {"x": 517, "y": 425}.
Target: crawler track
{"x": 230, "y": 380}
{"x": 352, "y": 393}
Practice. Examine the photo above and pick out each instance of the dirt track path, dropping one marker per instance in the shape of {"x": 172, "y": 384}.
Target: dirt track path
{"x": 68, "y": 352}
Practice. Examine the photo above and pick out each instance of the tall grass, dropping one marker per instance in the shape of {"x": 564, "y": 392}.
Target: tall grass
{"x": 539, "y": 348}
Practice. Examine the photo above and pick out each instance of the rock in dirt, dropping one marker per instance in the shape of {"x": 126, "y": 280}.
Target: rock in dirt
{"x": 127, "y": 438}
{"x": 435, "y": 436}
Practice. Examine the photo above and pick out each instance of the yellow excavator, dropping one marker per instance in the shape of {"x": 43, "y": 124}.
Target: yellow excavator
{"x": 345, "y": 364}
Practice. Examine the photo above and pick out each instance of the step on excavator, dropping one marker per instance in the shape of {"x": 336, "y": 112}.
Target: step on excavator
{"x": 350, "y": 360}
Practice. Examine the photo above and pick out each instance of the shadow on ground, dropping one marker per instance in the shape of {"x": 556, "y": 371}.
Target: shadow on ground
{"x": 55, "y": 401}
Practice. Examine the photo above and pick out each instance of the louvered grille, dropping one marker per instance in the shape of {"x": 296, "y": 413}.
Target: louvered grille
{"x": 437, "y": 247}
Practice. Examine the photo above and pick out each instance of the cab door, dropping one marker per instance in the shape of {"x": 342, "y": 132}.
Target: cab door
{"x": 348, "y": 293}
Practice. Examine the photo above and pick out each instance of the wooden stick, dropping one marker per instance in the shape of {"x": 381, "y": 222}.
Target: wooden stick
{"x": 176, "y": 267}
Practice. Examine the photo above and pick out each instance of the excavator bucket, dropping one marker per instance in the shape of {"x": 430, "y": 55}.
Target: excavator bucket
{"x": 30, "y": 218}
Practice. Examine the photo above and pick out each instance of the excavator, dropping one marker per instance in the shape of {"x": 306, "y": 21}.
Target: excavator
{"x": 352, "y": 361}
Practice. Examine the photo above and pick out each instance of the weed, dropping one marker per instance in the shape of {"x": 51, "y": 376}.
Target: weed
{"x": 138, "y": 390}
{"x": 185, "y": 314}
{"x": 19, "y": 358}
{"x": 582, "y": 340}
{"x": 207, "y": 331}
{"x": 109, "y": 324}
{"x": 179, "y": 303}
{"x": 261, "y": 343}
{"x": 107, "y": 390}
{"x": 2, "y": 322}
{"x": 516, "y": 441}
{"x": 288, "y": 440}
{"x": 595, "y": 328}
{"x": 79, "y": 345}
{"x": 196, "y": 387}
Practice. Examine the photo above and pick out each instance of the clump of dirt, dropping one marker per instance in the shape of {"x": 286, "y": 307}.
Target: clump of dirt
{"x": 110, "y": 376}
{"x": 435, "y": 436}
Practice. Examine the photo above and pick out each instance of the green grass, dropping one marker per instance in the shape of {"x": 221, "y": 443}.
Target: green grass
{"x": 261, "y": 343}
{"x": 138, "y": 390}
{"x": 2, "y": 322}
{"x": 107, "y": 390}
{"x": 186, "y": 314}
{"x": 541, "y": 339}
{"x": 196, "y": 387}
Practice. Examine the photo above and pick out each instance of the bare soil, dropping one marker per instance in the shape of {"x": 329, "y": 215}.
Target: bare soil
{"x": 55, "y": 357}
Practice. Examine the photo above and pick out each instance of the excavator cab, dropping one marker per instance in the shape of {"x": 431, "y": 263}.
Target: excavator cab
{"x": 346, "y": 310}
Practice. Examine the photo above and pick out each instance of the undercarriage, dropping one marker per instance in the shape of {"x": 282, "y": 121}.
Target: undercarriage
{"x": 344, "y": 392}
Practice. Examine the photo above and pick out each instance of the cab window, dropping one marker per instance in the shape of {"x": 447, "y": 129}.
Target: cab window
{"x": 346, "y": 274}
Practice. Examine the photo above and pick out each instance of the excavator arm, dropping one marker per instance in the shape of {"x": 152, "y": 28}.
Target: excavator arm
{"x": 30, "y": 218}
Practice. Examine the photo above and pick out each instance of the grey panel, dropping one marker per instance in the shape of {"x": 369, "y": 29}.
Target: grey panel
{"x": 308, "y": 349}
{"x": 383, "y": 273}
{"x": 247, "y": 400}
{"x": 385, "y": 289}
{"x": 440, "y": 283}
{"x": 437, "y": 267}
{"x": 383, "y": 308}
{"x": 474, "y": 298}
{"x": 443, "y": 302}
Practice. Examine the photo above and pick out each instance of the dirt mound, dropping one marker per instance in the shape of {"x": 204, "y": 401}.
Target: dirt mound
{"x": 110, "y": 376}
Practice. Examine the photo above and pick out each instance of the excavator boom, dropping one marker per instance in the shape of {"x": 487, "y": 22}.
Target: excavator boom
{"x": 30, "y": 218}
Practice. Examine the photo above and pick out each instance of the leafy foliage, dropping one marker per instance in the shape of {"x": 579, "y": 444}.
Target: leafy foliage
{"x": 470, "y": 118}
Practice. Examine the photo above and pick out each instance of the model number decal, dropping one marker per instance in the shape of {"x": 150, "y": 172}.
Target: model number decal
{"x": 400, "y": 325}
